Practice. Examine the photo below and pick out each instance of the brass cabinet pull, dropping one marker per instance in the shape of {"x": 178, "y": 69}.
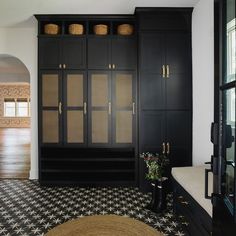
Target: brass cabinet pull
{"x": 167, "y": 71}
{"x": 85, "y": 108}
{"x": 113, "y": 66}
{"x": 60, "y": 66}
{"x": 60, "y": 108}
{"x": 185, "y": 202}
{"x": 64, "y": 66}
{"x": 163, "y": 148}
{"x": 109, "y": 66}
{"x": 163, "y": 71}
{"x": 168, "y": 148}
{"x": 133, "y": 108}
{"x": 109, "y": 108}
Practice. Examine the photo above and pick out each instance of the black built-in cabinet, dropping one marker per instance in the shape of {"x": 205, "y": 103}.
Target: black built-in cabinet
{"x": 105, "y": 99}
{"x": 165, "y": 85}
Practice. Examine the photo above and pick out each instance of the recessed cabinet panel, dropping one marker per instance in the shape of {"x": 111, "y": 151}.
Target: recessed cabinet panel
{"x": 124, "y": 126}
{"x": 124, "y": 90}
{"x": 75, "y": 90}
{"x": 49, "y": 53}
{"x": 100, "y": 127}
{"x": 152, "y": 131}
{"x": 99, "y": 90}
{"x": 124, "y": 53}
{"x": 178, "y": 53}
{"x": 178, "y": 135}
{"x": 152, "y": 90}
{"x": 50, "y": 90}
{"x": 98, "y": 53}
{"x": 74, "y": 53}
{"x": 50, "y": 126}
{"x": 75, "y": 127}
{"x": 178, "y": 92}
{"x": 151, "y": 52}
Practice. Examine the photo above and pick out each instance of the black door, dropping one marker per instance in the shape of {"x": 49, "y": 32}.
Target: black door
{"x": 49, "y": 53}
{"x": 50, "y": 107}
{"x": 151, "y": 64}
{"x": 99, "y": 108}
{"x": 123, "y": 108}
{"x": 74, "y": 53}
{"x": 99, "y": 52}
{"x": 224, "y": 200}
{"x": 75, "y": 107}
{"x": 178, "y": 137}
{"x": 178, "y": 70}
{"x": 124, "y": 53}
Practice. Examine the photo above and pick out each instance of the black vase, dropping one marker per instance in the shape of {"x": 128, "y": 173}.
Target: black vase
{"x": 159, "y": 192}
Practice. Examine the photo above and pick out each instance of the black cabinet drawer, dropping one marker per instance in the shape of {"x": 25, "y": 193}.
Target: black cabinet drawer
{"x": 195, "y": 216}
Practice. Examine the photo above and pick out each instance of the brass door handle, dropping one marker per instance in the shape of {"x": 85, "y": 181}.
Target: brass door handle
{"x": 109, "y": 66}
{"x": 167, "y": 71}
{"x": 113, "y": 66}
{"x": 168, "y": 148}
{"x": 85, "y": 108}
{"x": 163, "y": 148}
{"x": 109, "y": 108}
{"x": 60, "y": 108}
{"x": 163, "y": 71}
{"x": 133, "y": 108}
{"x": 64, "y": 66}
{"x": 60, "y": 66}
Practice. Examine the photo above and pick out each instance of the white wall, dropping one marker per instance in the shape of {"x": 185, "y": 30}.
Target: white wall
{"x": 203, "y": 79}
{"x": 22, "y": 43}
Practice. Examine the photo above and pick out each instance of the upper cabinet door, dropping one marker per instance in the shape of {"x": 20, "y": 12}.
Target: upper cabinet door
{"x": 124, "y": 53}
{"x": 74, "y": 53}
{"x": 99, "y": 53}
{"x": 178, "y": 71}
{"x": 49, "y": 53}
{"x": 151, "y": 52}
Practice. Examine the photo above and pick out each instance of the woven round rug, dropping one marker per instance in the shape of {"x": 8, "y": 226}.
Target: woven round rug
{"x": 103, "y": 225}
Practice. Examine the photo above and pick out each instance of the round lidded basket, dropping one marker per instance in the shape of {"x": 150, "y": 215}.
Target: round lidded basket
{"x": 76, "y": 29}
{"x": 100, "y": 29}
{"x": 125, "y": 29}
{"x": 51, "y": 28}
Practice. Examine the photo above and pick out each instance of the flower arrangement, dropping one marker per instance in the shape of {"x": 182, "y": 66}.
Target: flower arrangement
{"x": 156, "y": 164}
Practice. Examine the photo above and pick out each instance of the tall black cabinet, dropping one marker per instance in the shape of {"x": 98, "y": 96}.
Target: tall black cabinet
{"x": 165, "y": 85}
{"x": 105, "y": 99}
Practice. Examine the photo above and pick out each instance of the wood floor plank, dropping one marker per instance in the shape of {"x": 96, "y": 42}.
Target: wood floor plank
{"x": 14, "y": 153}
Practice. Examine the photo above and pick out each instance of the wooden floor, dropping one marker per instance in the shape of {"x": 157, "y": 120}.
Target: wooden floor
{"x": 14, "y": 153}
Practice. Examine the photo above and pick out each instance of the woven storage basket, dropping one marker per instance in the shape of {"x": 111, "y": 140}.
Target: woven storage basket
{"x": 51, "y": 29}
{"x": 76, "y": 29}
{"x": 100, "y": 29}
{"x": 125, "y": 29}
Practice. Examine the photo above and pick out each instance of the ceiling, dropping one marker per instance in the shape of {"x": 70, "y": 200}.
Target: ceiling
{"x": 19, "y": 13}
{"x": 12, "y": 70}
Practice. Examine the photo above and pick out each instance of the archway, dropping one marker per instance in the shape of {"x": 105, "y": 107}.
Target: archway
{"x": 14, "y": 118}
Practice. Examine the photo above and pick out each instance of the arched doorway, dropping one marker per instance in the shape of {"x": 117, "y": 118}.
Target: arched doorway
{"x": 14, "y": 118}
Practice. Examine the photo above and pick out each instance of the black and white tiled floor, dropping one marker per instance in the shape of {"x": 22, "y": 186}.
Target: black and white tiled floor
{"x": 28, "y": 209}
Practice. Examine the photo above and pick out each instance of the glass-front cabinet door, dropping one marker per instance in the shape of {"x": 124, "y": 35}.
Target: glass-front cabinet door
{"x": 100, "y": 108}
{"x": 51, "y": 107}
{"x": 124, "y": 108}
{"x": 75, "y": 107}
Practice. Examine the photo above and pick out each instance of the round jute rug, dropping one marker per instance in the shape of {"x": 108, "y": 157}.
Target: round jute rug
{"x": 103, "y": 225}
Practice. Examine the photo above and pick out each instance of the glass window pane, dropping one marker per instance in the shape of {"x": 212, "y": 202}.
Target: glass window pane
{"x": 9, "y": 109}
{"x": 22, "y": 108}
{"x": 229, "y": 142}
{"x": 230, "y": 42}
